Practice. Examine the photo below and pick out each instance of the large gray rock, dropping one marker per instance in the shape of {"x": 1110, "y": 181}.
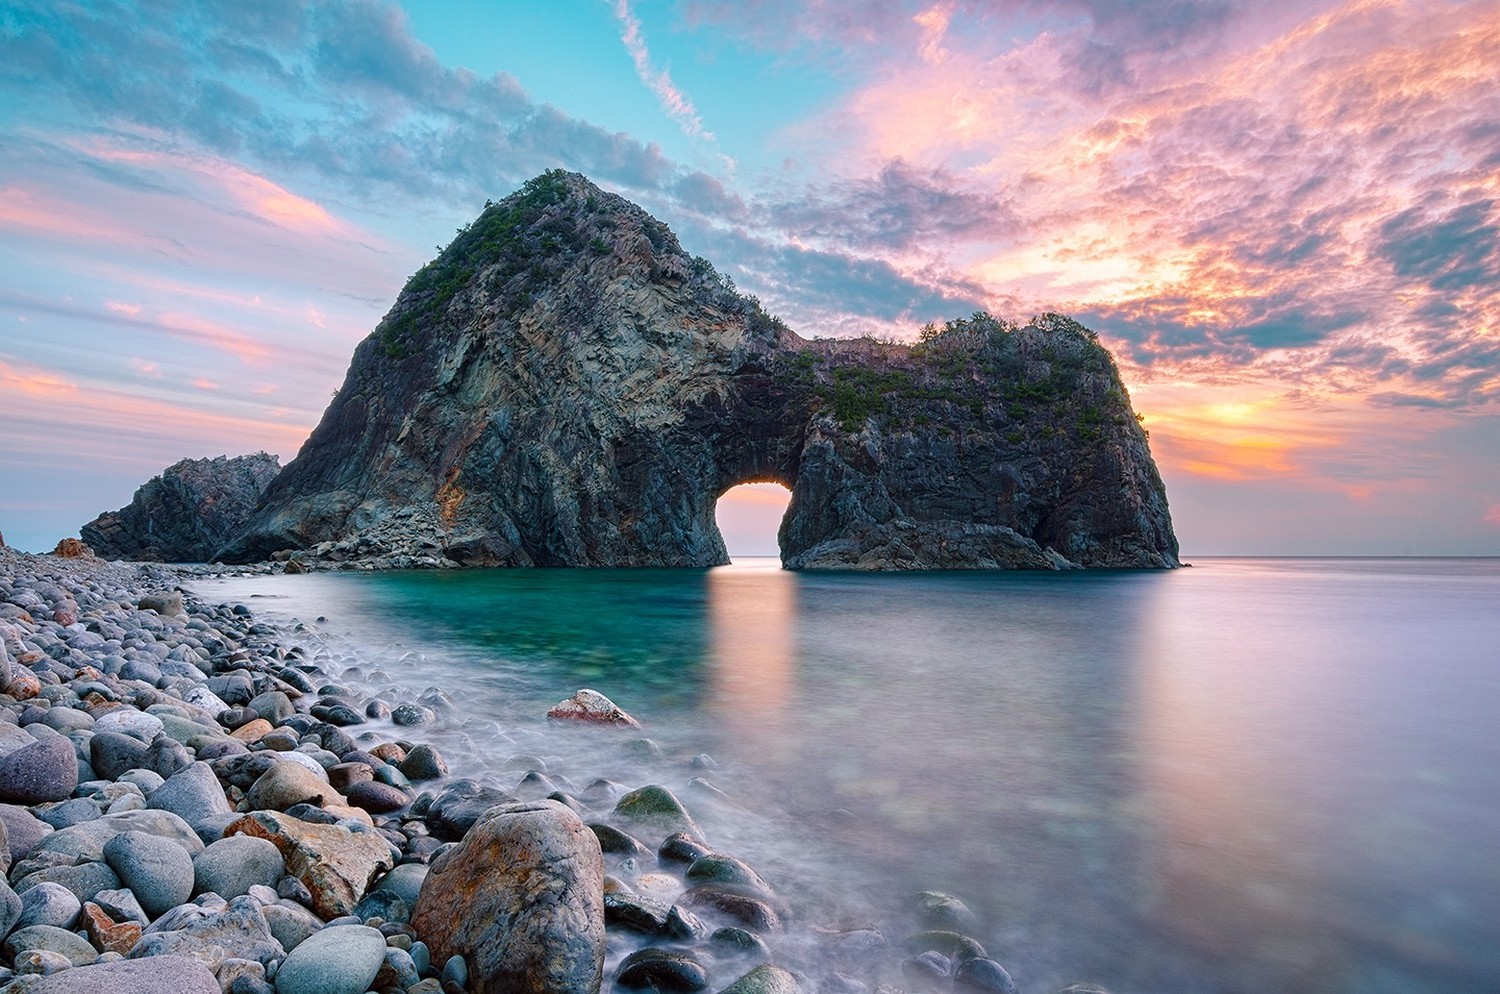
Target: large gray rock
{"x": 186, "y": 513}
{"x": 56, "y": 940}
{"x": 239, "y": 931}
{"x": 194, "y": 795}
{"x": 112, "y": 753}
{"x": 564, "y": 385}
{"x": 23, "y": 831}
{"x": 230, "y": 867}
{"x": 340, "y": 959}
{"x": 48, "y": 904}
{"x": 158, "y": 975}
{"x": 158, "y": 871}
{"x": 521, "y": 898}
{"x": 44, "y": 771}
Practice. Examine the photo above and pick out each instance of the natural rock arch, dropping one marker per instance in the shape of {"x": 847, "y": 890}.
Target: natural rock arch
{"x": 563, "y": 385}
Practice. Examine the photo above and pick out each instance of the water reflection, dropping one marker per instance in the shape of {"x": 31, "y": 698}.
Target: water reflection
{"x": 752, "y": 609}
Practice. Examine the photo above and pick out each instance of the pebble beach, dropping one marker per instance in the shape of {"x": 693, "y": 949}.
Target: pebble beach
{"x": 191, "y": 802}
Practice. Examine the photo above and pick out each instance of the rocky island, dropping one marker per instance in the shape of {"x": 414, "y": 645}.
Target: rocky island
{"x": 565, "y": 386}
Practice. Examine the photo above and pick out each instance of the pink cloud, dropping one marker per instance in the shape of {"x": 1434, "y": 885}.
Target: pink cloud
{"x": 35, "y": 381}
{"x": 199, "y": 330}
{"x": 1492, "y": 516}
{"x": 203, "y": 383}
{"x": 119, "y": 307}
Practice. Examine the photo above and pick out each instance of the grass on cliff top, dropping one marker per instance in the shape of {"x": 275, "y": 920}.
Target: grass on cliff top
{"x": 963, "y": 368}
{"x": 503, "y": 232}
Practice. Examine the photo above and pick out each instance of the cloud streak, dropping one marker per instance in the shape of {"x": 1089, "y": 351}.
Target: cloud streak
{"x": 659, "y": 81}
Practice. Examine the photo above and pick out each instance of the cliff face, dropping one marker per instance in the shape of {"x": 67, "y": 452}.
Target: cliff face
{"x": 565, "y": 386}
{"x": 187, "y": 513}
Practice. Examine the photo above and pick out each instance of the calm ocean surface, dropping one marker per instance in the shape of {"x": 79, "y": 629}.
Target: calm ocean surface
{"x": 1255, "y": 775}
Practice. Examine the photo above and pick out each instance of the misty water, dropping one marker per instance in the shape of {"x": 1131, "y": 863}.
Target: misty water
{"x": 1252, "y": 775}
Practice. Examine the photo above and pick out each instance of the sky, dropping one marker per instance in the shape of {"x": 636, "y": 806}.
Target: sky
{"x": 1280, "y": 216}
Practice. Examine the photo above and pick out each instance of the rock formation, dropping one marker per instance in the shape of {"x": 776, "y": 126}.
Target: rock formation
{"x": 187, "y": 513}
{"x": 564, "y": 385}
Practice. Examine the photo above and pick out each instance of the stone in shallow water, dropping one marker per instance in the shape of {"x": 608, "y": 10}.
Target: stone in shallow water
{"x": 957, "y": 947}
{"x": 593, "y": 708}
{"x": 521, "y": 898}
{"x": 423, "y": 763}
{"x": 377, "y": 798}
{"x": 765, "y": 979}
{"x": 662, "y": 970}
{"x": 983, "y": 976}
{"x": 657, "y": 810}
{"x": 944, "y": 911}
{"x": 340, "y": 959}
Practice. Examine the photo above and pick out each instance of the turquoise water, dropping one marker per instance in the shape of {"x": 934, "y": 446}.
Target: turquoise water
{"x": 1253, "y": 775}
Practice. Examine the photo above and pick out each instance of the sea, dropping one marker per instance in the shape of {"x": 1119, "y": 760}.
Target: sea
{"x": 1251, "y": 775}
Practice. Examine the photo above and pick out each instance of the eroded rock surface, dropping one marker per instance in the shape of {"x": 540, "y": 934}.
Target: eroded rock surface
{"x": 187, "y": 513}
{"x": 564, "y": 385}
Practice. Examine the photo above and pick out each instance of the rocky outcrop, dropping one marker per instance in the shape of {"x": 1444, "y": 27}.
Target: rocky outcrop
{"x": 564, "y": 385}
{"x": 187, "y": 513}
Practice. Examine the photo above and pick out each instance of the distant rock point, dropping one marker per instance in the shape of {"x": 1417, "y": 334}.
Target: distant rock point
{"x": 187, "y": 513}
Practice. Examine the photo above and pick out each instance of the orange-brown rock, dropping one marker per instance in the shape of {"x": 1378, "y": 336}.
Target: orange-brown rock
{"x": 521, "y": 898}
{"x": 336, "y": 864}
{"x": 72, "y": 548}
{"x": 106, "y": 934}
{"x": 251, "y": 731}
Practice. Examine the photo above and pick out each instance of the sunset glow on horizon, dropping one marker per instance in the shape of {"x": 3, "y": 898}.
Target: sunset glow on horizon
{"x": 1282, "y": 218}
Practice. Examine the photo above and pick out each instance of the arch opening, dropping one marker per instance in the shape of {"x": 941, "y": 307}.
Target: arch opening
{"x": 749, "y": 516}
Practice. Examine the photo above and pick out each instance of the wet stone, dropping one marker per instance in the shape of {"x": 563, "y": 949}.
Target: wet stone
{"x": 662, "y": 970}
{"x": 765, "y": 979}
{"x": 682, "y": 848}
{"x": 612, "y": 840}
{"x": 983, "y": 976}
{"x": 423, "y": 763}
{"x": 636, "y": 912}
{"x": 732, "y": 941}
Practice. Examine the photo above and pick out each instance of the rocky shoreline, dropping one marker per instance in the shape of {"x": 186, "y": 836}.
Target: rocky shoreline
{"x": 190, "y": 803}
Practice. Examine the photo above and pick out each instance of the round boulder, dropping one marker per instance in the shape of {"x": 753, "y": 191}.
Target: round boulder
{"x": 231, "y": 866}
{"x": 44, "y": 771}
{"x": 521, "y": 898}
{"x": 158, "y": 871}
{"x": 339, "y": 959}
